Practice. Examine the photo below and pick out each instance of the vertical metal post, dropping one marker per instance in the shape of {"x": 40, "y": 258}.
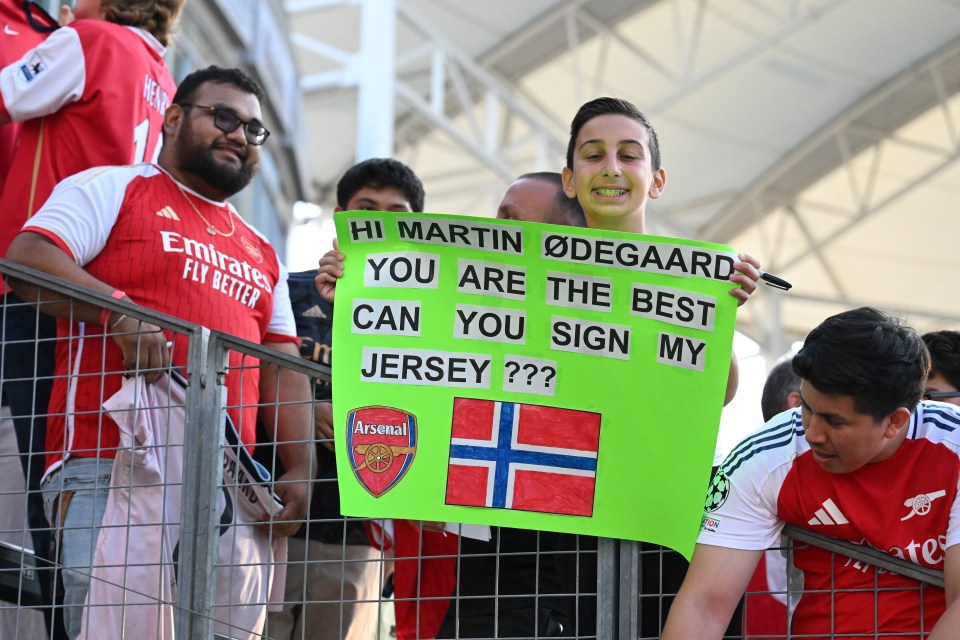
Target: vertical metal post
{"x": 775, "y": 343}
{"x": 203, "y": 470}
{"x": 629, "y": 585}
{"x": 377, "y": 79}
{"x": 608, "y": 577}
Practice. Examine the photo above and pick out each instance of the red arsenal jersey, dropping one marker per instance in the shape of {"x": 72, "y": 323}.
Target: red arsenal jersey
{"x": 906, "y": 506}
{"x": 18, "y": 37}
{"x": 134, "y": 228}
{"x": 91, "y": 94}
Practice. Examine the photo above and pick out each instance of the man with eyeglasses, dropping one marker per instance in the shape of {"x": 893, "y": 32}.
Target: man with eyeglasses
{"x": 943, "y": 383}
{"x": 163, "y": 236}
{"x": 91, "y": 93}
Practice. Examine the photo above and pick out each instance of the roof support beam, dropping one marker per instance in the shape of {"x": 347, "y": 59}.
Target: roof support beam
{"x": 915, "y": 90}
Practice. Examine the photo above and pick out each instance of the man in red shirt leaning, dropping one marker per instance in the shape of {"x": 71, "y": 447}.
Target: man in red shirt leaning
{"x": 861, "y": 460}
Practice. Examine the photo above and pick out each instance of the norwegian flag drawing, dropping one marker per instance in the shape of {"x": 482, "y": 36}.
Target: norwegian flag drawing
{"x": 508, "y": 455}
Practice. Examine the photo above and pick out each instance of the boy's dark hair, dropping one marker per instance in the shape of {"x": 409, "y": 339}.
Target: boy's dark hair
{"x": 381, "y": 173}
{"x": 616, "y": 106}
{"x": 566, "y": 211}
{"x": 781, "y": 382}
{"x": 869, "y": 355}
{"x": 218, "y": 75}
{"x": 944, "y": 347}
{"x": 155, "y": 16}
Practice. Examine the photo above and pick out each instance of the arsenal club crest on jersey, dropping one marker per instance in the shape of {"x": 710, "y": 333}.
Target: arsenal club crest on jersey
{"x": 252, "y": 248}
{"x": 382, "y": 442}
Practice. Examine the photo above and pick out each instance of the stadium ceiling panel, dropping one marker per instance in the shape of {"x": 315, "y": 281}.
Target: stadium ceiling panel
{"x": 819, "y": 135}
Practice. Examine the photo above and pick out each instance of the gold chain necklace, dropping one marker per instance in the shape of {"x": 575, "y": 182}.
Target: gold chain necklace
{"x": 212, "y": 230}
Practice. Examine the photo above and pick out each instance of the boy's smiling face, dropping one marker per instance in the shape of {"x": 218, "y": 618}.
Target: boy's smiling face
{"x": 612, "y": 174}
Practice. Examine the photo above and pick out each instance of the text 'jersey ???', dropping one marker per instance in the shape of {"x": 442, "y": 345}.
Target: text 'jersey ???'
{"x": 134, "y": 228}
{"x": 92, "y": 94}
{"x": 906, "y": 506}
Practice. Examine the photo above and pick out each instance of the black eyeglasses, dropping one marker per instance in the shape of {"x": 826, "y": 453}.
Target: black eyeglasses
{"x": 228, "y": 122}
{"x": 936, "y": 395}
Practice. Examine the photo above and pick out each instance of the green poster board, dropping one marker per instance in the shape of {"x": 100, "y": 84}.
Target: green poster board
{"x": 528, "y": 375}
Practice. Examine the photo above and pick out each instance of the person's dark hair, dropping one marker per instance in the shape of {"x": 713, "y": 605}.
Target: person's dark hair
{"x": 565, "y": 211}
{"x": 781, "y": 382}
{"x": 944, "y": 347}
{"x": 381, "y": 173}
{"x": 615, "y": 106}
{"x": 869, "y": 355}
{"x": 218, "y": 75}
{"x": 156, "y": 16}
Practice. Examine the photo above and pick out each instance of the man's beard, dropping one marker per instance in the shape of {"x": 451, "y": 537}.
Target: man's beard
{"x": 223, "y": 177}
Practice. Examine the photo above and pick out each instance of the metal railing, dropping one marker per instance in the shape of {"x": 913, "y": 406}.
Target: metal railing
{"x": 615, "y": 589}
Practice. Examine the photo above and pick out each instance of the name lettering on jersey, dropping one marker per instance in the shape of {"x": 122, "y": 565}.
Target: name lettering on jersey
{"x": 236, "y": 476}
{"x": 208, "y": 265}
{"x": 920, "y": 505}
{"x": 154, "y": 94}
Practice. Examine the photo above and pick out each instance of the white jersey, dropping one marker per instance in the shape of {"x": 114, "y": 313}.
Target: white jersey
{"x": 133, "y": 584}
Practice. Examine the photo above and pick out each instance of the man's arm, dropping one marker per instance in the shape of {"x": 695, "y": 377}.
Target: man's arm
{"x": 716, "y": 579}
{"x": 946, "y": 627}
{"x": 143, "y": 345}
{"x": 287, "y": 414}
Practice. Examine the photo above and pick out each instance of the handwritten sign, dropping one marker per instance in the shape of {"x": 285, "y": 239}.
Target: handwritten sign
{"x": 539, "y": 376}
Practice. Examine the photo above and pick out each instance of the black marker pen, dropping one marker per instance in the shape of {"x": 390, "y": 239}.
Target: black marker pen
{"x": 774, "y": 281}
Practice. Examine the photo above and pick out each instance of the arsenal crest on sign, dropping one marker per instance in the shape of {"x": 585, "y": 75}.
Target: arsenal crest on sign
{"x": 381, "y": 443}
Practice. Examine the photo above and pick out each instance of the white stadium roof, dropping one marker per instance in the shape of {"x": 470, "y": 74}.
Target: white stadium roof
{"x": 821, "y": 136}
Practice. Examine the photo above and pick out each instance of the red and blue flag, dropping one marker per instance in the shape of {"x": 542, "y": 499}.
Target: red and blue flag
{"x": 507, "y": 455}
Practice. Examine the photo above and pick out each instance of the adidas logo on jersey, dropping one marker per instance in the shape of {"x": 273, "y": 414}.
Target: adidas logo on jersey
{"x": 167, "y": 212}
{"x": 829, "y": 515}
{"x": 315, "y": 312}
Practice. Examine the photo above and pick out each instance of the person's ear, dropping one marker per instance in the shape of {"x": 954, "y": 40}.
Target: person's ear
{"x": 172, "y": 119}
{"x": 566, "y": 176}
{"x": 658, "y": 184}
{"x": 897, "y": 420}
{"x": 337, "y": 209}
{"x": 793, "y": 400}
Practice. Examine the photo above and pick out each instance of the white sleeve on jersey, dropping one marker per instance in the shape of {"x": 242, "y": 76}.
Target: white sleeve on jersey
{"x": 741, "y": 508}
{"x": 83, "y": 209}
{"x": 953, "y": 524}
{"x": 45, "y": 78}
{"x": 282, "y": 322}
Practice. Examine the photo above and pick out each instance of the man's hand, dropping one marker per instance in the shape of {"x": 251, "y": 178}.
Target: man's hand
{"x": 949, "y": 622}
{"x": 144, "y": 346}
{"x": 323, "y": 424}
{"x": 285, "y": 400}
{"x": 331, "y": 268}
{"x": 433, "y": 525}
{"x": 293, "y": 487}
{"x": 747, "y": 273}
